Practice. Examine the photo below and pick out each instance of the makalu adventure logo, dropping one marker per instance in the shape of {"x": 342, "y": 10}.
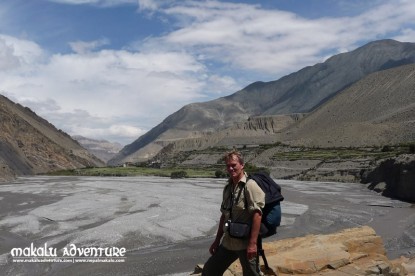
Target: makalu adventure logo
{"x": 70, "y": 254}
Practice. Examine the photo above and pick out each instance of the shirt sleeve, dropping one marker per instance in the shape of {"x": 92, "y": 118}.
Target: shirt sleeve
{"x": 255, "y": 197}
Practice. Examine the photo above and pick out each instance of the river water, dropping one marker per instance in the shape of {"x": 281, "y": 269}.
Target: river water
{"x": 171, "y": 221}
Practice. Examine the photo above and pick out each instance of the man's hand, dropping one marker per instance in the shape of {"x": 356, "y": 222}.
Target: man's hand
{"x": 214, "y": 247}
{"x": 251, "y": 251}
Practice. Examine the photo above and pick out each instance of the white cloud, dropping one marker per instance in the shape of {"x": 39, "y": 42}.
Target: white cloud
{"x": 128, "y": 131}
{"x": 8, "y": 60}
{"x": 112, "y": 81}
{"x": 83, "y": 47}
{"x": 111, "y": 132}
{"x": 18, "y": 52}
{"x": 220, "y": 85}
{"x": 407, "y": 35}
{"x": 150, "y": 5}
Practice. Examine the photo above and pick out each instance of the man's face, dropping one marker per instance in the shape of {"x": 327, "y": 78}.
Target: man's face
{"x": 234, "y": 167}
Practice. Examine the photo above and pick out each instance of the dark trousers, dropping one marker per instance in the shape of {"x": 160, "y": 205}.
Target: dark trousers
{"x": 223, "y": 258}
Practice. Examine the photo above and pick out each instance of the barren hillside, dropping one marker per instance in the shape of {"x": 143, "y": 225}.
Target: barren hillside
{"x": 378, "y": 110}
{"x": 30, "y": 144}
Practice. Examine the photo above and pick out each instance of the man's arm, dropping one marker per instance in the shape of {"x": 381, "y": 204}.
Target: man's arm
{"x": 252, "y": 245}
{"x": 219, "y": 235}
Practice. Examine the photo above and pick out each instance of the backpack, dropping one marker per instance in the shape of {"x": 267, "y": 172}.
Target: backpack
{"x": 271, "y": 213}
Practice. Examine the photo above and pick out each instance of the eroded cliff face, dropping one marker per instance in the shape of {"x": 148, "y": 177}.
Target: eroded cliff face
{"x": 355, "y": 251}
{"x": 393, "y": 177}
{"x": 269, "y": 124}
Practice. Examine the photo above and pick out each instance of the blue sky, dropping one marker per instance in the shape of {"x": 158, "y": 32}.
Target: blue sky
{"x": 113, "y": 69}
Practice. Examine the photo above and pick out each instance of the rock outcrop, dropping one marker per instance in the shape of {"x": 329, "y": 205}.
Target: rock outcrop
{"x": 269, "y": 124}
{"x": 355, "y": 251}
{"x": 393, "y": 178}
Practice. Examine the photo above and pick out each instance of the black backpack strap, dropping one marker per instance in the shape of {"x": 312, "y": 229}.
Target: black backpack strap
{"x": 245, "y": 198}
{"x": 237, "y": 199}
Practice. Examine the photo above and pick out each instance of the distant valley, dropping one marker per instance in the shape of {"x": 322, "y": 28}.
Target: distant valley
{"x": 102, "y": 149}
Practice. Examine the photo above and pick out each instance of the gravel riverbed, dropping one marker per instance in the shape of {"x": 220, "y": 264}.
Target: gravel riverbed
{"x": 166, "y": 225}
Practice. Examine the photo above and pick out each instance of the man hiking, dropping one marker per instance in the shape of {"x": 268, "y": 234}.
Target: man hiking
{"x": 239, "y": 223}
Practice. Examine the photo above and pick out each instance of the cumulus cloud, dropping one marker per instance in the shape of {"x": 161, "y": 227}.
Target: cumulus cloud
{"x": 148, "y": 5}
{"x": 407, "y": 35}
{"x": 219, "y": 85}
{"x": 8, "y": 60}
{"x": 18, "y": 52}
{"x": 111, "y": 132}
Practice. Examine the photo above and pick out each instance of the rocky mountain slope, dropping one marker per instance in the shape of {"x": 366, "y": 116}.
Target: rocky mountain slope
{"x": 375, "y": 111}
{"x": 378, "y": 110}
{"x": 31, "y": 145}
{"x": 102, "y": 149}
{"x": 299, "y": 92}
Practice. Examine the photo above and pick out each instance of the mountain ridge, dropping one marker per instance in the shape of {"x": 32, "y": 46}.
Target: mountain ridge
{"x": 387, "y": 109}
{"x": 298, "y": 92}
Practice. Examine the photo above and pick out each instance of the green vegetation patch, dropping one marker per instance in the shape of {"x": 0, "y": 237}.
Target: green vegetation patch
{"x": 137, "y": 171}
{"x": 335, "y": 154}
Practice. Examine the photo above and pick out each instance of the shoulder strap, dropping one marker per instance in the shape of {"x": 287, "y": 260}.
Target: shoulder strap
{"x": 245, "y": 189}
{"x": 237, "y": 199}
